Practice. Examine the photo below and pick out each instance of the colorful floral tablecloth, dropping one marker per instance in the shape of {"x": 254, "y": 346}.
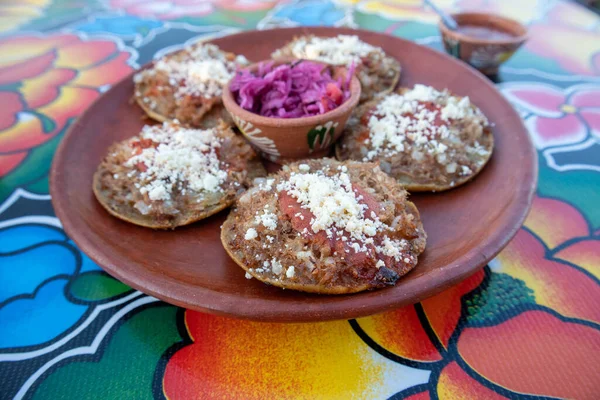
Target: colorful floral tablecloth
{"x": 528, "y": 325}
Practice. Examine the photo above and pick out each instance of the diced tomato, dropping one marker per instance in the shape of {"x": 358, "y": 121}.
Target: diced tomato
{"x": 367, "y": 116}
{"x": 435, "y": 107}
{"x": 364, "y": 135}
{"x": 300, "y": 219}
{"x": 146, "y": 143}
{"x": 334, "y": 92}
{"x": 141, "y": 166}
{"x": 142, "y": 144}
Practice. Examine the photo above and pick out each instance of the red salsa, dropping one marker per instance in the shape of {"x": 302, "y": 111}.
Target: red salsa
{"x": 484, "y": 32}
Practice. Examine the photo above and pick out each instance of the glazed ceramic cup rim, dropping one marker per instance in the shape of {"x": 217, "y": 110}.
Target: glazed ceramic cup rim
{"x": 347, "y": 106}
{"x": 514, "y": 39}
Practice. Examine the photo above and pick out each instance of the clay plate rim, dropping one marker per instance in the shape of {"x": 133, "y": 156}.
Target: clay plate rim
{"x": 289, "y": 306}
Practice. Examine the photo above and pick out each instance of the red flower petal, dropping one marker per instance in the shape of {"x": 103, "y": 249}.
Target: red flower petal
{"x": 536, "y": 353}
{"x": 11, "y": 105}
{"x": 107, "y": 73}
{"x": 586, "y": 97}
{"x": 412, "y": 344}
{"x": 454, "y": 383}
{"x": 555, "y": 131}
{"x": 557, "y": 286}
{"x": 236, "y": 359}
{"x": 443, "y": 310}
{"x": 555, "y": 222}
{"x": 10, "y": 161}
{"x": 71, "y": 102}
{"x": 26, "y": 133}
{"x": 26, "y": 47}
{"x": 585, "y": 254}
{"x": 44, "y": 88}
{"x": 419, "y": 396}
{"x": 27, "y": 68}
{"x": 83, "y": 55}
{"x": 542, "y": 100}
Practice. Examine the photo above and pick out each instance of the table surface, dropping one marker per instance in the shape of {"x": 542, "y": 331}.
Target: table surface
{"x": 526, "y": 325}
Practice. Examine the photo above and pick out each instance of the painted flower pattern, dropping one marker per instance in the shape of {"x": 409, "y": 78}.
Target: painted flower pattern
{"x": 308, "y": 12}
{"x": 44, "y": 84}
{"x": 168, "y": 10}
{"x": 533, "y": 301}
{"x": 139, "y": 30}
{"x": 409, "y": 10}
{"x": 555, "y": 42}
{"x": 555, "y": 116}
{"x": 264, "y": 144}
{"x": 230, "y": 358}
{"x": 525, "y": 326}
{"x": 416, "y": 10}
{"x": 15, "y": 13}
{"x": 555, "y": 26}
{"x": 534, "y": 304}
{"x": 62, "y": 285}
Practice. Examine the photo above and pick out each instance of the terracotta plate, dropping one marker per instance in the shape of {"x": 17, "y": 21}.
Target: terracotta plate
{"x": 188, "y": 267}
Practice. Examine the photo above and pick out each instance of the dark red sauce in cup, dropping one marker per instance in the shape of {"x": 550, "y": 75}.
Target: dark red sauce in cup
{"x": 484, "y": 32}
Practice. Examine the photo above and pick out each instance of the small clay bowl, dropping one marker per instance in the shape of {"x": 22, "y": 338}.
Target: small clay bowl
{"x": 484, "y": 54}
{"x": 283, "y": 140}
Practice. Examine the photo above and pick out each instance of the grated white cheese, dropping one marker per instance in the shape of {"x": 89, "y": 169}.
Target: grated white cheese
{"x": 202, "y": 70}
{"x": 251, "y": 234}
{"x": 392, "y": 247}
{"x": 267, "y": 219}
{"x": 181, "y": 158}
{"x": 276, "y": 267}
{"x": 339, "y": 50}
{"x": 332, "y": 201}
{"x": 404, "y": 123}
{"x": 290, "y": 272}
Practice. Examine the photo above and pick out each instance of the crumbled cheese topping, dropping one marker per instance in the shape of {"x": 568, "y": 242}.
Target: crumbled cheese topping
{"x": 332, "y": 201}
{"x": 337, "y": 209}
{"x": 339, "y": 50}
{"x": 290, "y": 272}
{"x": 202, "y": 70}
{"x": 266, "y": 185}
{"x": 392, "y": 247}
{"x": 180, "y": 158}
{"x": 250, "y": 234}
{"x": 268, "y": 219}
{"x": 276, "y": 267}
{"x": 419, "y": 122}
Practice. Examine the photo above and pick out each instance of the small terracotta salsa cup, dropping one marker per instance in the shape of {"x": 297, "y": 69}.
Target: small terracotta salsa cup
{"x": 482, "y": 40}
{"x": 283, "y": 140}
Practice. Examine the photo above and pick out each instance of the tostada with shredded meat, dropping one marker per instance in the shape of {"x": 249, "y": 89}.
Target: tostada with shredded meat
{"x": 327, "y": 227}
{"x": 428, "y": 140}
{"x": 187, "y": 85}
{"x": 169, "y": 176}
{"x": 378, "y": 73}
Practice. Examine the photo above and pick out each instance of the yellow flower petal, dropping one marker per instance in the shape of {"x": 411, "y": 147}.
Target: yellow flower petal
{"x": 248, "y": 360}
{"x": 555, "y": 222}
{"x": 585, "y": 254}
